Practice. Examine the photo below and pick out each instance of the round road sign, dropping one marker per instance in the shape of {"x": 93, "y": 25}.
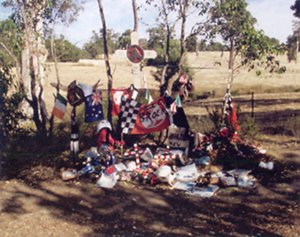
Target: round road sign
{"x": 135, "y": 53}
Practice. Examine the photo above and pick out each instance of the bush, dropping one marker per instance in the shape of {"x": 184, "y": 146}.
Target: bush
{"x": 10, "y": 98}
{"x": 249, "y": 128}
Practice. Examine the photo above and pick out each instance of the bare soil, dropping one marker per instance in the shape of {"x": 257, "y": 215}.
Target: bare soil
{"x": 34, "y": 200}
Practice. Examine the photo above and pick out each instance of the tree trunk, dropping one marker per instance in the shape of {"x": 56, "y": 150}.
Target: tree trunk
{"x": 135, "y": 28}
{"x": 182, "y": 48}
{"x": 33, "y": 59}
{"x": 297, "y": 49}
{"x": 184, "y": 9}
{"x": 231, "y": 55}
{"x": 163, "y": 75}
{"x": 108, "y": 70}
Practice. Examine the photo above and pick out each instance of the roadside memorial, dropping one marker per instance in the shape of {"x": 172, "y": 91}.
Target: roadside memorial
{"x": 195, "y": 163}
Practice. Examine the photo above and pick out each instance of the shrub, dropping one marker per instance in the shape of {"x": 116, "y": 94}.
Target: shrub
{"x": 249, "y": 128}
{"x": 10, "y": 98}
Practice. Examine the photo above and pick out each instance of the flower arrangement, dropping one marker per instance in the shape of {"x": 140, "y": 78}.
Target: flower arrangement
{"x": 115, "y": 143}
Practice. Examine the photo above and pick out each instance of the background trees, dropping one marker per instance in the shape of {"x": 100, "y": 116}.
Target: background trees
{"x": 33, "y": 19}
{"x": 65, "y": 51}
{"x": 232, "y": 21}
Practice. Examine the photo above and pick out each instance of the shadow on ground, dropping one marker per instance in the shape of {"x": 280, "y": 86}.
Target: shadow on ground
{"x": 271, "y": 208}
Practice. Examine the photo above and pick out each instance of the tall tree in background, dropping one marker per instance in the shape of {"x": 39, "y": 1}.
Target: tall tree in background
{"x": 181, "y": 8}
{"x": 124, "y": 40}
{"x": 296, "y": 8}
{"x": 296, "y": 29}
{"x": 231, "y": 20}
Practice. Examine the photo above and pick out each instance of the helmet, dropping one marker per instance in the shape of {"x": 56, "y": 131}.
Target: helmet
{"x": 103, "y": 124}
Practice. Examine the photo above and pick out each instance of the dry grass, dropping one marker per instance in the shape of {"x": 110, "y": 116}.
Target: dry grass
{"x": 208, "y": 75}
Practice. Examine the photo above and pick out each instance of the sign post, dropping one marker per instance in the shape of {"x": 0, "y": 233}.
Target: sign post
{"x": 136, "y": 54}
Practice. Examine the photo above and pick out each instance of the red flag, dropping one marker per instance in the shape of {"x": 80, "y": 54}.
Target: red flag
{"x": 233, "y": 118}
{"x": 117, "y": 94}
{"x": 152, "y": 117}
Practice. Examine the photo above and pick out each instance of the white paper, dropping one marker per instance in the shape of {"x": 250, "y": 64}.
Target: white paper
{"x": 147, "y": 156}
{"x": 120, "y": 167}
{"x": 239, "y": 172}
{"x": 184, "y": 185}
{"x": 131, "y": 166}
{"x": 203, "y": 192}
{"x": 269, "y": 165}
{"x": 107, "y": 181}
{"x": 187, "y": 173}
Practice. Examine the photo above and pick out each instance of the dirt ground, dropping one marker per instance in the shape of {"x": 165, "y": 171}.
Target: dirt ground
{"x": 36, "y": 202}
{"x": 39, "y": 203}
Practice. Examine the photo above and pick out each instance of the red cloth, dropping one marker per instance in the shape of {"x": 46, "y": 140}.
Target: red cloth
{"x": 117, "y": 94}
{"x": 233, "y": 118}
{"x": 152, "y": 117}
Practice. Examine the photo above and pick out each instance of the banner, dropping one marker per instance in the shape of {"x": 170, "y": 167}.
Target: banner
{"x": 152, "y": 117}
{"x": 178, "y": 137}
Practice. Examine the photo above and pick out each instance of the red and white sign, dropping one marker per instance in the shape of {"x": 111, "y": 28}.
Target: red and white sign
{"x": 152, "y": 117}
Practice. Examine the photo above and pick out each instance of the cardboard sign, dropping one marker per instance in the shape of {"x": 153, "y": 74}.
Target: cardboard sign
{"x": 178, "y": 137}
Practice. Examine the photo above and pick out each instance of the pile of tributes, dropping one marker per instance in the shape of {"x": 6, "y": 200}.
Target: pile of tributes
{"x": 195, "y": 172}
{"x": 198, "y": 164}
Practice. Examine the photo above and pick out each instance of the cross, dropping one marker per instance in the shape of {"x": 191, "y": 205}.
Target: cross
{"x": 136, "y": 54}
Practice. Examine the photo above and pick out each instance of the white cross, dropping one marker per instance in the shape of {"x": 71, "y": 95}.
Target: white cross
{"x": 136, "y": 66}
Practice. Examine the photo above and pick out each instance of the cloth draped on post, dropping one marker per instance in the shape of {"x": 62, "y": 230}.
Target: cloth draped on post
{"x": 139, "y": 118}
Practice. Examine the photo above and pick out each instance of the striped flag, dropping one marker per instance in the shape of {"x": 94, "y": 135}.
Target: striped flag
{"x": 60, "y": 106}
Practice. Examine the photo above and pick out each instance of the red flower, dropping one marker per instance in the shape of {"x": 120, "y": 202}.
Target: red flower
{"x": 123, "y": 142}
{"x": 111, "y": 140}
{"x": 117, "y": 143}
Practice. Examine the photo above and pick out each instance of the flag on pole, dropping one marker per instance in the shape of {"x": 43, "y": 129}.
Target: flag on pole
{"x": 129, "y": 111}
{"x": 148, "y": 96}
{"x": 139, "y": 118}
{"x": 60, "y": 106}
{"x": 117, "y": 95}
{"x": 93, "y": 107}
{"x": 230, "y": 112}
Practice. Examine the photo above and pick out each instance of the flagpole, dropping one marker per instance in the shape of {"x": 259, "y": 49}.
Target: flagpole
{"x": 121, "y": 143}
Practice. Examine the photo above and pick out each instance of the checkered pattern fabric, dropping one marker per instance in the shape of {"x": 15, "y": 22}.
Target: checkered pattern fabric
{"x": 228, "y": 105}
{"x": 129, "y": 110}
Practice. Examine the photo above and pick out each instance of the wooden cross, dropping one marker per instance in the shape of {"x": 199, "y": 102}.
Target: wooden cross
{"x": 136, "y": 54}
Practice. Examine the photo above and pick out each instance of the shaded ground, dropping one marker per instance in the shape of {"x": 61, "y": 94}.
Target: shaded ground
{"x": 39, "y": 203}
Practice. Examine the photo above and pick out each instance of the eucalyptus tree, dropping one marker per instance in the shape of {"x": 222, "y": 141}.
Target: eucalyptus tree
{"x": 182, "y": 9}
{"x": 124, "y": 40}
{"x": 231, "y": 20}
{"x": 296, "y": 30}
{"x": 33, "y": 19}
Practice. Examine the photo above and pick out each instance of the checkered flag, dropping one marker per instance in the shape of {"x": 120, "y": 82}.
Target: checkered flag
{"x": 228, "y": 104}
{"x": 129, "y": 113}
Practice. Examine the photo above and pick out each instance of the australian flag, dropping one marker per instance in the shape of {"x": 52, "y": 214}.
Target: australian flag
{"x": 93, "y": 107}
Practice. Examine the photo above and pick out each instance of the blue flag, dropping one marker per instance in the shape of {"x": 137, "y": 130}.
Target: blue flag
{"x": 93, "y": 107}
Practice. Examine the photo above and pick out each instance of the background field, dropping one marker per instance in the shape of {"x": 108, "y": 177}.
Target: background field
{"x": 209, "y": 75}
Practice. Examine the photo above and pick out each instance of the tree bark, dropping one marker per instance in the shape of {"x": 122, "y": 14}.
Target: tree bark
{"x": 184, "y": 9}
{"x": 231, "y": 55}
{"x": 135, "y": 28}
{"x": 107, "y": 65}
